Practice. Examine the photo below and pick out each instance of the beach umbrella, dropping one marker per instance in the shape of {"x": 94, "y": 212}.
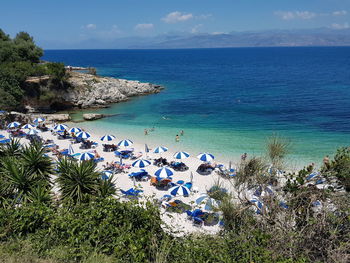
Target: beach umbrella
{"x": 205, "y": 157}
{"x": 141, "y": 163}
{"x": 208, "y": 202}
{"x": 181, "y": 155}
{"x": 83, "y": 135}
{"x": 258, "y": 204}
{"x": 14, "y": 124}
{"x": 107, "y": 138}
{"x": 146, "y": 148}
{"x": 125, "y": 143}
{"x": 2, "y": 136}
{"x": 179, "y": 190}
{"x": 32, "y": 132}
{"x": 74, "y": 130}
{"x": 39, "y": 120}
{"x": 70, "y": 150}
{"x": 106, "y": 174}
{"x": 163, "y": 173}
{"x": 28, "y": 126}
{"x": 86, "y": 156}
{"x": 160, "y": 149}
{"x": 60, "y": 127}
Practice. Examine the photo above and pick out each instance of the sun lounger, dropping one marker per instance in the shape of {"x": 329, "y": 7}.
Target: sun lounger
{"x": 131, "y": 192}
{"x": 139, "y": 176}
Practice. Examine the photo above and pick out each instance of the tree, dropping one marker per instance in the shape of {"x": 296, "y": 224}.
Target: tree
{"x": 34, "y": 160}
{"x": 77, "y": 181}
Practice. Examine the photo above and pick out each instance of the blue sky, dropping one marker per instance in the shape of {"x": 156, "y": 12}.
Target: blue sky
{"x": 69, "y": 21}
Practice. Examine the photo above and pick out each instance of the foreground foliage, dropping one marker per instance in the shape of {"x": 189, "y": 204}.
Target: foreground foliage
{"x": 86, "y": 224}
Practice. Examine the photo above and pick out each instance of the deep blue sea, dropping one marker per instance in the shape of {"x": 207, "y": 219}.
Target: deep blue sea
{"x": 229, "y": 101}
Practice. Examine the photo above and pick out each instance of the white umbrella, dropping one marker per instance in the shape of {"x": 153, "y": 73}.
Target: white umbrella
{"x": 125, "y": 143}
{"x": 205, "y": 157}
{"x": 107, "y": 138}
{"x": 164, "y": 173}
{"x": 60, "y": 127}
{"x": 83, "y": 135}
{"x": 179, "y": 190}
{"x": 141, "y": 163}
{"x": 70, "y": 150}
{"x": 14, "y": 124}
{"x": 208, "y": 202}
{"x": 86, "y": 156}
{"x": 39, "y": 120}
{"x": 32, "y": 132}
{"x": 74, "y": 130}
{"x": 160, "y": 149}
{"x": 28, "y": 126}
{"x": 181, "y": 155}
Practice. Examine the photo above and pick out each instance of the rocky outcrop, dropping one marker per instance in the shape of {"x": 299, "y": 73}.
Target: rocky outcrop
{"x": 29, "y": 118}
{"x": 92, "y": 116}
{"x": 88, "y": 91}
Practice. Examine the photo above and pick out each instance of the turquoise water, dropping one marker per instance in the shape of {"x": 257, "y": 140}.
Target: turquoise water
{"x": 229, "y": 101}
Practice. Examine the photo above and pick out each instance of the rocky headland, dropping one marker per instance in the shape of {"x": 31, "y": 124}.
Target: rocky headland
{"x": 83, "y": 90}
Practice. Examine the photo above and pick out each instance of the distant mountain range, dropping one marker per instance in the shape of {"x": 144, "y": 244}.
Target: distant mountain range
{"x": 271, "y": 38}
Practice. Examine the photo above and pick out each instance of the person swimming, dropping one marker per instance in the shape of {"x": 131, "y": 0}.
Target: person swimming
{"x": 177, "y": 138}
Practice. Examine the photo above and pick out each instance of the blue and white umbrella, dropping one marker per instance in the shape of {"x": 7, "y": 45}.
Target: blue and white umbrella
{"x": 60, "y": 127}
{"x": 179, "y": 190}
{"x": 125, "y": 143}
{"x": 160, "y": 149}
{"x": 28, "y": 126}
{"x": 86, "y": 156}
{"x": 163, "y": 173}
{"x": 32, "y": 132}
{"x": 106, "y": 174}
{"x": 2, "y": 136}
{"x": 83, "y": 135}
{"x": 206, "y": 157}
{"x": 181, "y": 155}
{"x": 107, "y": 138}
{"x": 208, "y": 202}
{"x": 141, "y": 163}
{"x": 39, "y": 120}
{"x": 14, "y": 124}
{"x": 258, "y": 205}
{"x": 74, "y": 130}
{"x": 70, "y": 150}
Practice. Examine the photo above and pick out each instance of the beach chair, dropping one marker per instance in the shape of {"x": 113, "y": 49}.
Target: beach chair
{"x": 139, "y": 176}
{"x": 131, "y": 192}
{"x": 101, "y": 159}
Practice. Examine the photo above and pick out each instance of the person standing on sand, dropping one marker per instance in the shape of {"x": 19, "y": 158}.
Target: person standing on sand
{"x": 177, "y": 138}
{"x": 244, "y": 157}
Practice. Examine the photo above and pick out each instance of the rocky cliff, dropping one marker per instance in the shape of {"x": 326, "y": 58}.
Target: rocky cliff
{"x": 91, "y": 91}
{"x": 82, "y": 90}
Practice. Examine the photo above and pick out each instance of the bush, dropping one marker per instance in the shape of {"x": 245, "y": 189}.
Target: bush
{"x": 340, "y": 167}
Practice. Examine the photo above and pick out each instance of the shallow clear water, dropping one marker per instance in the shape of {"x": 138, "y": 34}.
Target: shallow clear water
{"x": 229, "y": 101}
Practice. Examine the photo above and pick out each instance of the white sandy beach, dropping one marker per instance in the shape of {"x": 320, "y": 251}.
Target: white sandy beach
{"x": 173, "y": 221}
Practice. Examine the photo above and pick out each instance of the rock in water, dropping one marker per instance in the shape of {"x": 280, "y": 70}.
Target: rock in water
{"x": 92, "y": 116}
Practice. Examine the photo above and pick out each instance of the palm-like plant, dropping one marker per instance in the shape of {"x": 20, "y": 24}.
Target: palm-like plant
{"x": 77, "y": 180}
{"x": 13, "y": 148}
{"x": 106, "y": 188}
{"x": 17, "y": 180}
{"x": 34, "y": 159}
{"x": 39, "y": 194}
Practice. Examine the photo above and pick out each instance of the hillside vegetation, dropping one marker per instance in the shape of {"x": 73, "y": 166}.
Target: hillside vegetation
{"x": 20, "y": 59}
